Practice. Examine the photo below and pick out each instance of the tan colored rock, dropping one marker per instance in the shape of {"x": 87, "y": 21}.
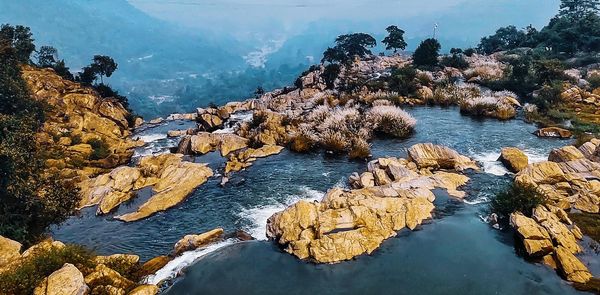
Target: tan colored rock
{"x": 553, "y": 132}
{"x": 108, "y": 290}
{"x": 230, "y": 143}
{"x": 565, "y": 154}
{"x": 66, "y": 281}
{"x": 381, "y": 177}
{"x": 541, "y": 173}
{"x": 535, "y": 237}
{"x": 9, "y": 251}
{"x": 192, "y": 242}
{"x": 126, "y": 261}
{"x": 367, "y": 180}
{"x": 174, "y": 184}
{"x": 571, "y": 267}
{"x": 427, "y": 155}
{"x": 103, "y": 275}
{"x": 153, "y": 265}
{"x": 144, "y": 290}
{"x": 514, "y": 159}
{"x": 560, "y": 234}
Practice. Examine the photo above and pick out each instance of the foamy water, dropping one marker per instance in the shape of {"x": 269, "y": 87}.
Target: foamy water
{"x": 492, "y": 165}
{"x": 259, "y": 215}
{"x": 175, "y": 266}
{"x": 153, "y": 137}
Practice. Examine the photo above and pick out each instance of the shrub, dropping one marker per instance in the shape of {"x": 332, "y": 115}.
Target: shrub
{"x": 455, "y": 61}
{"x": 594, "y": 80}
{"x": 304, "y": 140}
{"x": 360, "y": 149}
{"x": 100, "y": 149}
{"x": 517, "y": 198}
{"x": 24, "y": 277}
{"x": 402, "y": 81}
{"x": 333, "y": 141}
{"x": 391, "y": 120}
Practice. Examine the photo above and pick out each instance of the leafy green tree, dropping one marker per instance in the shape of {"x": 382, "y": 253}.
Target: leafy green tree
{"x": 330, "y": 74}
{"x": 578, "y": 9}
{"x": 62, "y": 70}
{"x": 104, "y": 66}
{"x": 395, "y": 39}
{"x": 427, "y": 53}
{"x": 348, "y": 46}
{"x": 30, "y": 200}
{"x": 20, "y": 39}
{"x": 259, "y": 92}
{"x": 87, "y": 76}
{"x": 504, "y": 39}
{"x": 403, "y": 81}
{"x": 46, "y": 56}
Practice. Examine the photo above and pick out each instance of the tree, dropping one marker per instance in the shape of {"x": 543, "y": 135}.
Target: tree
{"x": 62, "y": 70}
{"x": 577, "y": 9}
{"x": 259, "y": 91}
{"x": 348, "y": 46}
{"x": 504, "y": 39}
{"x": 427, "y": 53}
{"x": 104, "y": 66}
{"x": 395, "y": 39}
{"x": 30, "y": 200}
{"x": 87, "y": 76}
{"x": 20, "y": 39}
{"x": 46, "y": 56}
{"x": 330, "y": 74}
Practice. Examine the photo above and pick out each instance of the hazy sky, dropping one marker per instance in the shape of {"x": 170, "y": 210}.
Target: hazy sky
{"x": 290, "y": 16}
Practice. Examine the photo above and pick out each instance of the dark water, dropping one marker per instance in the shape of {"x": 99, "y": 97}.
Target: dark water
{"x": 455, "y": 253}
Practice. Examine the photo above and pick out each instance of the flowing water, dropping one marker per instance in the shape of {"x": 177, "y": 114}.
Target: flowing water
{"x": 454, "y": 253}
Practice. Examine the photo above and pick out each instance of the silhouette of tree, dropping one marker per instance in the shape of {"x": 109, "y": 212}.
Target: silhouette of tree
{"x": 395, "y": 39}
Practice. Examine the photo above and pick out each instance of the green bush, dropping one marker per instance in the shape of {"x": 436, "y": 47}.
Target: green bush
{"x": 402, "y": 80}
{"x": 516, "y": 198}
{"x": 100, "y": 149}
{"x": 594, "y": 81}
{"x": 456, "y": 60}
{"x": 23, "y": 278}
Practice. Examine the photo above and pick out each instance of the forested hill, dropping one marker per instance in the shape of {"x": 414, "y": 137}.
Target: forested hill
{"x": 145, "y": 47}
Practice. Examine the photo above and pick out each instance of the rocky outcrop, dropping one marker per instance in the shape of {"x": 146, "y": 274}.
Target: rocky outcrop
{"x": 571, "y": 267}
{"x": 535, "y": 237}
{"x": 514, "y": 159}
{"x": 172, "y": 180}
{"x": 9, "y": 251}
{"x": 105, "y": 276}
{"x": 427, "y": 155}
{"x": 553, "y": 132}
{"x": 67, "y": 280}
{"x": 144, "y": 290}
{"x": 192, "y": 242}
{"x": 245, "y": 158}
{"x": 349, "y": 223}
{"x": 78, "y": 115}
{"x": 204, "y": 142}
{"x": 571, "y": 181}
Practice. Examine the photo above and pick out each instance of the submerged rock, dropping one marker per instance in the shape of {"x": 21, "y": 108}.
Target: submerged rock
{"x": 192, "y": 242}
{"x": 67, "y": 280}
{"x": 514, "y": 159}
{"x": 553, "y": 132}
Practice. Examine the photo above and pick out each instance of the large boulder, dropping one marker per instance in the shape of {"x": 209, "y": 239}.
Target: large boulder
{"x": 175, "y": 182}
{"x": 153, "y": 265}
{"x": 555, "y": 132}
{"x": 192, "y": 242}
{"x": 68, "y": 280}
{"x": 536, "y": 239}
{"x": 9, "y": 251}
{"x": 428, "y": 155}
{"x": 514, "y": 159}
{"x": 571, "y": 267}
{"x": 565, "y": 154}
{"x": 103, "y": 275}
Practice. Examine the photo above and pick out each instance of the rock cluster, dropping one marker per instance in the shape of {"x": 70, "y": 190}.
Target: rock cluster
{"x": 172, "y": 179}
{"x": 549, "y": 234}
{"x": 570, "y": 179}
{"x": 555, "y": 132}
{"x": 393, "y": 194}
{"x": 78, "y": 117}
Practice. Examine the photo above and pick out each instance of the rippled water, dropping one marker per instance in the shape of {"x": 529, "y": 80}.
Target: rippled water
{"x": 455, "y": 253}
